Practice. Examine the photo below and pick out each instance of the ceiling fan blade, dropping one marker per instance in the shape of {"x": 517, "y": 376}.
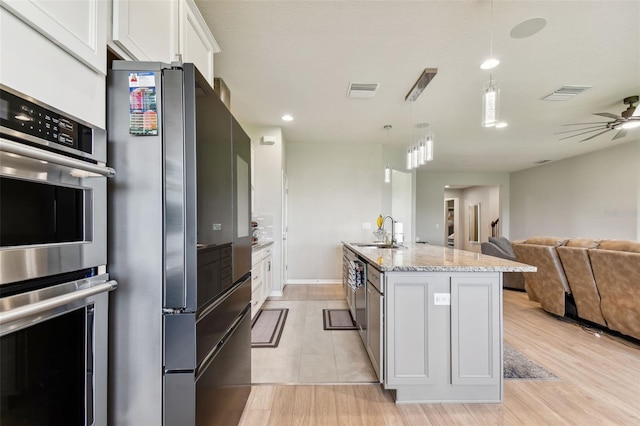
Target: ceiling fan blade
{"x": 596, "y": 135}
{"x": 581, "y": 124}
{"x": 606, "y": 114}
{"x": 621, "y": 134}
{"x": 577, "y": 130}
{"x": 583, "y": 133}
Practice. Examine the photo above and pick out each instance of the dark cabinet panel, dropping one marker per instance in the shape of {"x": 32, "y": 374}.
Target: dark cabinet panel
{"x": 241, "y": 200}
{"x": 214, "y": 163}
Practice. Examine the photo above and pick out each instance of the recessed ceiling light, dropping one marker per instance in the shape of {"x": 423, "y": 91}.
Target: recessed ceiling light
{"x": 528, "y": 28}
{"x": 501, "y": 125}
{"x": 287, "y": 117}
{"x": 489, "y": 64}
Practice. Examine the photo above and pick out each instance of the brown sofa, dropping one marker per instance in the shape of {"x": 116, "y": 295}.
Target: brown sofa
{"x": 601, "y": 277}
{"x": 616, "y": 269}
{"x": 548, "y": 285}
{"x": 574, "y": 256}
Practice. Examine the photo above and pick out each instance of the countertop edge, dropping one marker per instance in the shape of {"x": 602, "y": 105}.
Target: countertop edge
{"x": 516, "y": 267}
{"x": 261, "y": 245}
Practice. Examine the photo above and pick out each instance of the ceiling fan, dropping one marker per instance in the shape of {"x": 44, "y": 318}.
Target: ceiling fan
{"x": 629, "y": 119}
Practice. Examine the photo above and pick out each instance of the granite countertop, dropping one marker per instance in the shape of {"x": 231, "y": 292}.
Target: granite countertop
{"x": 429, "y": 258}
{"x": 261, "y": 244}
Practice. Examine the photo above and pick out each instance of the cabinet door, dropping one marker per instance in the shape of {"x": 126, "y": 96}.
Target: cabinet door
{"x": 267, "y": 282}
{"x": 78, "y": 27}
{"x": 374, "y": 329}
{"x": 197, "y": 44}
{"x": 146, "y": 30}
{"x": 476, "y": 335}
{"x": 416, "y": 331}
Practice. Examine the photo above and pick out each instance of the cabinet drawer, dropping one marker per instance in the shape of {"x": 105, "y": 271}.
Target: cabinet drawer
{"x": 256, "y": 282}
{"x": 225, "y": 261}
{"x": 375, "y": 278}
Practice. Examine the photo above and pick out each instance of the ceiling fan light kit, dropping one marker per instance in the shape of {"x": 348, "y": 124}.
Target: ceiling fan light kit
{"x": 627, "y": 120}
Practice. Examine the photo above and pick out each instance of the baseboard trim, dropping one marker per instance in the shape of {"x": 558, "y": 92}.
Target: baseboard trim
{"x": 311, "y": 282}
{"x": 275, "y": 294}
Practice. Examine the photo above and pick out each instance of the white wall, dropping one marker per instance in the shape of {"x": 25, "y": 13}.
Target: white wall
{"x": 430, "y": 195}
{"x": 333, "y": 190}
{"x": 593, "y": 195}
{"x": 402, "y": 203}
{"x": 268, "y": 164}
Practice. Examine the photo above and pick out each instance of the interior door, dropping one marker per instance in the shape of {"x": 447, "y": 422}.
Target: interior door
{"x": 285, "y": 227}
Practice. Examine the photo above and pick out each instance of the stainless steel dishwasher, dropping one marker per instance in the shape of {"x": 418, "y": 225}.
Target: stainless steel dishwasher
{"x": 356, "y": 291}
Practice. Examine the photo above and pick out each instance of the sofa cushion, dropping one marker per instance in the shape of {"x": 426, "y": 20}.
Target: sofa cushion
{"x": 503, "y": 243}
{"x": 586, "y": 243}
{"x": 620, "y": 245}
{"x": 547, "y": 241}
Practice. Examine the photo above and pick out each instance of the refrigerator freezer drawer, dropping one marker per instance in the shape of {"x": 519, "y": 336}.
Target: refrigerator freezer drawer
{"x": 224, "y": 384}
{"x": 216, "y": 319}
{"x": 179, "y": 397}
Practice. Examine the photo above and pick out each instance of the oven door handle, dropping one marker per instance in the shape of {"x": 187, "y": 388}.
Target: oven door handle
{"x": 52, "y": 157}
{"x": 54, "y": 302}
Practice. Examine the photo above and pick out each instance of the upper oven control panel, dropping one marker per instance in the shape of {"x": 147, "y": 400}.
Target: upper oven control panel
{"x": 29, "y": 118}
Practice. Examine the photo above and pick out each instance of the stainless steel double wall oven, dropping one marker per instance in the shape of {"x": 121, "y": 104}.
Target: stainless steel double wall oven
{"x": 53, "y": 255}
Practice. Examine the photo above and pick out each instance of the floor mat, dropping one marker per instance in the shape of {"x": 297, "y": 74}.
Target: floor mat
{"x": 267, "y": 327}
{"x": 338, "y": 319}
{"x": 518, "y": 366}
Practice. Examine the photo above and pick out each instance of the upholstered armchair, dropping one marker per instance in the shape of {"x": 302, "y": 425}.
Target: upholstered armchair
{"x": 501, "y": 247}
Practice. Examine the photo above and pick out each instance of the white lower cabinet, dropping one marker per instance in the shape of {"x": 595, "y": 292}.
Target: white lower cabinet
{"x": 443, "y": 336}
{"x": 261, "y": 277}
{"x": 375, "y": 321}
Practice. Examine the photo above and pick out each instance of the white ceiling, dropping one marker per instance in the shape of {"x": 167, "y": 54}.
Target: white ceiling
{"x": 298, "y": 57}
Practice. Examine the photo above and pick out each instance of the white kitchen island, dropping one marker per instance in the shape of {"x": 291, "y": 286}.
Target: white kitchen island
{"x": 439, "y": 334}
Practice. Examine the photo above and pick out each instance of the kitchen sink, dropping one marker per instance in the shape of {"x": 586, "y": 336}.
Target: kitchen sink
{"x": 378, "y": 245}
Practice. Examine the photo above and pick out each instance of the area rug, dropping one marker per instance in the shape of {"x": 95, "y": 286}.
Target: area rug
{"x": 518, "y": 366}
{"x": 338, "y": 319}
{"x": 267, "y": 326}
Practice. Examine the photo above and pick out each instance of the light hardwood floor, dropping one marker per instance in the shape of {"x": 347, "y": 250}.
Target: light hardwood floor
{"x": 599, "y": 384}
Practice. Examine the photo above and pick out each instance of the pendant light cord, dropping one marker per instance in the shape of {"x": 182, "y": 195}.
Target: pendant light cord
{"x": 491, "y": 29}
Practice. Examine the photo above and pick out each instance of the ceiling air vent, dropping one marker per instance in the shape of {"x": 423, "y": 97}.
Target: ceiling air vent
{"x": 565, "y": 93}
{"x": 362, "y": 90}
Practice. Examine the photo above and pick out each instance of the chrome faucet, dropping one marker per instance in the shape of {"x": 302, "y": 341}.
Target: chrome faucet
{"x": 393, "y": 228}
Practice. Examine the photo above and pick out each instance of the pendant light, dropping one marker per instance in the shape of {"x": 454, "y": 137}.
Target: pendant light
{"x": 425, "y": 144}
{"x": 387, "y": 169}
{"x": 491, "y": 93}
{"x": 490, "y": 103}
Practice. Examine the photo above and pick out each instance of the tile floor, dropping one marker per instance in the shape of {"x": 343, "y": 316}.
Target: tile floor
{"x": 308, "y": 354}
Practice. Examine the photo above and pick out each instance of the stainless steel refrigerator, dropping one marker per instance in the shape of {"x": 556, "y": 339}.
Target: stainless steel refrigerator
{"x": 179, "y": 245}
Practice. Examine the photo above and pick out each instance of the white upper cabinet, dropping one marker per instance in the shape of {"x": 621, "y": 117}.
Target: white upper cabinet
{"x": 197, "y": 44}
{"x": 78, "y": 27}
{"x": 146, "y": 30}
